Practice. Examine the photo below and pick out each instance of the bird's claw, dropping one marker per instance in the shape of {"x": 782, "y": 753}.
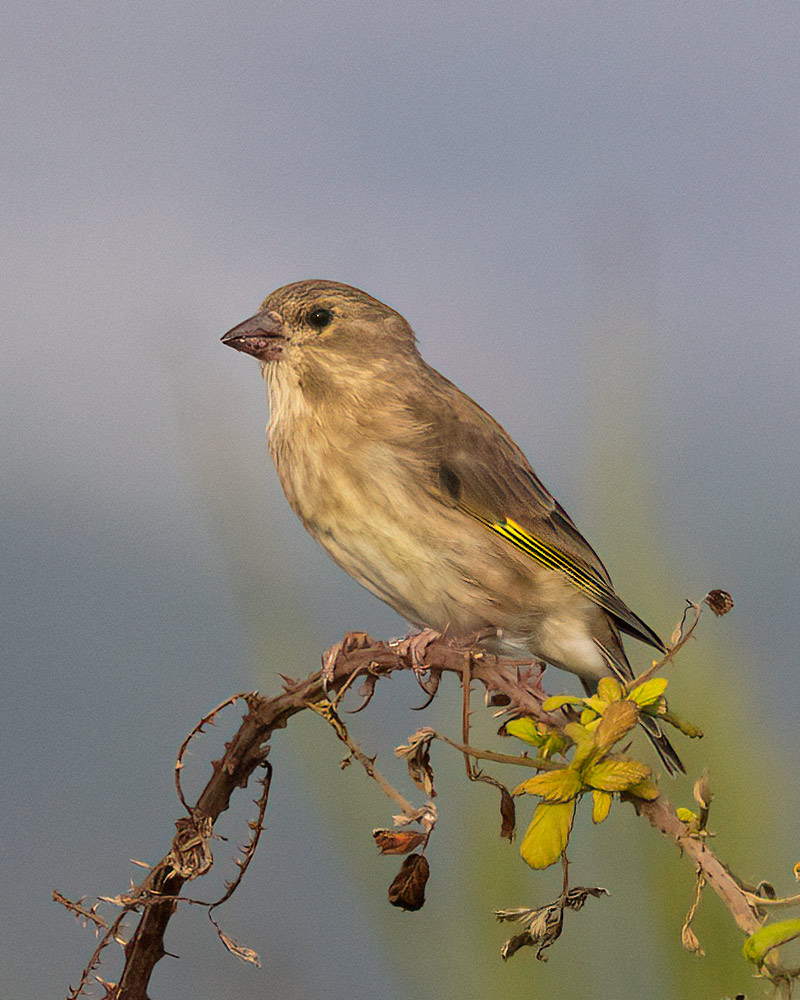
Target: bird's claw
{"x": 417, "y": 647}
{"x": 349, "y": 642}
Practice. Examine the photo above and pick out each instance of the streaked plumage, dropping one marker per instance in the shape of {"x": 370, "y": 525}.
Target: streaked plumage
{"x": 420, "y": 495}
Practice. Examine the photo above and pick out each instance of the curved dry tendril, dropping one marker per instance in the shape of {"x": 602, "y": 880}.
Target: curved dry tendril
{"x": 517, "y": 690}
{"x": 208, "y": 720}
{"x": 94, "y": 961}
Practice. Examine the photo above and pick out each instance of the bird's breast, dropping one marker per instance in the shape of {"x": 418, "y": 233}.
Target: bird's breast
{"x": 373, "y": 502}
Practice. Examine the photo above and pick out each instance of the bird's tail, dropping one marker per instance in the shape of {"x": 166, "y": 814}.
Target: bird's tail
{"x": 665, "y": 750}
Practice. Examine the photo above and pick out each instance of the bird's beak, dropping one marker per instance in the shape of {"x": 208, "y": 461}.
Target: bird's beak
{"x": 262, "y": 336}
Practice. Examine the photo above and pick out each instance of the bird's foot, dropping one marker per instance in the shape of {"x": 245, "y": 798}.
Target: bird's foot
{"x": 417, "y": 647}
{"x": 350, "y": 641}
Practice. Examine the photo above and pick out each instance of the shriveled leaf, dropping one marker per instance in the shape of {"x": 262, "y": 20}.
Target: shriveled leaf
{"x": 758, "y": 945}
{"x": 578, "y": 895}
{"x": 690, "y": 941}
{"x": 548, "y": 833}
{"x": 609, "y": 689}
{"x": 513, "y": 945}
{"x": 559, "y": 700}
{"x": 418, "y": 759}
{"x": 525, "y": 729}
{"x": 601, "y": 803}
{"x": 408, "y": 888}
{"x": 618, "y": 720}
{"x": 426, "y": 816}
{"x": 508, "y": 812}
{"x": 508, "y": 815}
{"x": 398, "y": 841}
{"x": 245, "y": 954}
{"x": 553, "y": 786}
{"x": 517, "y": 914}
{"x": 543, "y": 925}
{"x": 720, "y": 601}
{"x": 649, "y": 692}
{"x": 543, "y": 928}
{"x": 616, "y": 775}
{"x": 701, "y": 790}
{"x": 422, "y": 737}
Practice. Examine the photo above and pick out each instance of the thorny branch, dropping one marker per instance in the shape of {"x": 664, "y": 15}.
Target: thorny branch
{"x": 507, "y": 684}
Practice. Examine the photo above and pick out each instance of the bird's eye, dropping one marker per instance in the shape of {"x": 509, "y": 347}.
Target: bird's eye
{"x": 320, "y": 318}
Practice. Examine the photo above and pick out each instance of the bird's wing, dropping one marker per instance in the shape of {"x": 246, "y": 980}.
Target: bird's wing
{"x": 482, "y": 472}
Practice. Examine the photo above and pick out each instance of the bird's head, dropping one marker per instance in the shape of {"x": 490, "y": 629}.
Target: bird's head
{"x": 323, "y": 324}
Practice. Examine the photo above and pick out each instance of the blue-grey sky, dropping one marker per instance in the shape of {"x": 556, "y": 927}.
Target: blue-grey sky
{"x": 591, "y": 215}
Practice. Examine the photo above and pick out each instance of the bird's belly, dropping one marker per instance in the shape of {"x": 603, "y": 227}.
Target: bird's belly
{"x": 402, "y": 563}
{"x": 433, "y": 564}
{"x": 465, "y": 589}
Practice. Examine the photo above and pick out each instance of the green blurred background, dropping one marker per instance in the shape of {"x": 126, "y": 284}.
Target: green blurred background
{"x": 590, "y": 216}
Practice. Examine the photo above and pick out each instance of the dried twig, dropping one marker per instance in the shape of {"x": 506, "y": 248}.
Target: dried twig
{"x": 157, "y": 896}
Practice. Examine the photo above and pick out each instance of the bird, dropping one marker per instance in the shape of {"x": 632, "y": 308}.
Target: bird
{"x": 422, "y": 497}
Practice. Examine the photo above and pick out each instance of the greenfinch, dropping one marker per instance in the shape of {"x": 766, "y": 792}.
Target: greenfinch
{"x": 421, "y": 496}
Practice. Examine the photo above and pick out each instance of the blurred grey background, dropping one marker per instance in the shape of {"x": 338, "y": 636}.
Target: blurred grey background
{"x": 589, "y": 213}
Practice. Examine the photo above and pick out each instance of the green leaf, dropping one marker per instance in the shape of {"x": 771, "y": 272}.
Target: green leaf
{"x": 559, "y": 700}
{"x": 554, "y": 743}
{"x": 585, "y": 746}
{"x": 758, "y": 945}
{"x": 553, "y": 786}
{"x": 609, "y": 689}
{"x": 686, "y": 815}
{"x": 600, "y": 805}
{"x": 649, "y": 692}
{"x": 548, "y": 833}
{"x": 525, "y": 729}
{"x": 645, "y": 789}
{"x": 682, "y": 725}
{"x": 597, "y": 704}
{"x": 618, "y": 719}
{"x": 616, "y": 775}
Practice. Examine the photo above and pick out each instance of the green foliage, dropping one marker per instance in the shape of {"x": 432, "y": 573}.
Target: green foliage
{"x": 553, "y": 786}
{"x": 546, "y": 838}
{"x": 548, "y": 741}
{"x": 758, "y": 945}
{"x": 605, "y": 718}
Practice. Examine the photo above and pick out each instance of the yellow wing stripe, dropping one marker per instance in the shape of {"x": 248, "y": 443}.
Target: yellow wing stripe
{"x": 579, "y": 576}
{"x": 552, "y": 558}
{"x": 548, "y": 556}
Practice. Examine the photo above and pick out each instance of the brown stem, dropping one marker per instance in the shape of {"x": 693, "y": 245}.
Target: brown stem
{"x": 157, "y": 896}
{"x": 737, "y": 900}
{"x": 366, "y": 762}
